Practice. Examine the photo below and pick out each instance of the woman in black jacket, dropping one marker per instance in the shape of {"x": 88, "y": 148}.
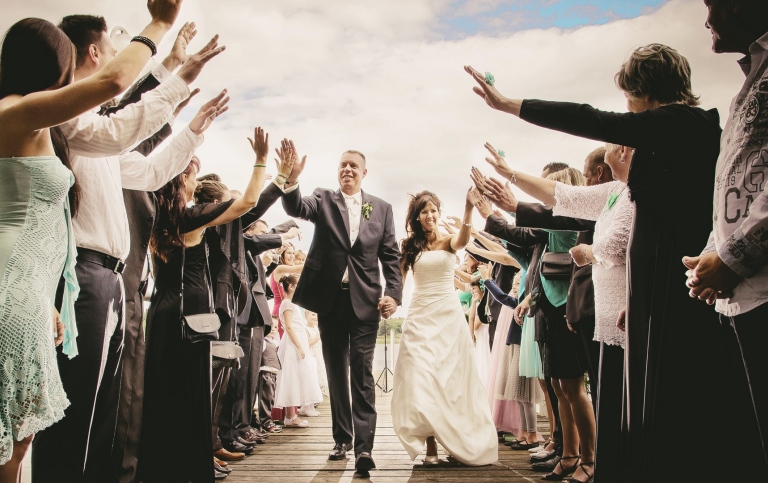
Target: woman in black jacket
{"x": 673, "y": 350}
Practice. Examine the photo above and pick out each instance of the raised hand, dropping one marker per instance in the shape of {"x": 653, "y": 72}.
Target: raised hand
{"x": 208, "y": 112}
{"x": 485, "y": 270}
{"x": 491, "y": 95}
{"x": 498, "y": 163}
{"x": 164, "y": 11}
{"x": 178, "y": 54}
{"x": 195, "y": 63}
{"x": 260, "y": 144}
{"x": 298, "y": 166}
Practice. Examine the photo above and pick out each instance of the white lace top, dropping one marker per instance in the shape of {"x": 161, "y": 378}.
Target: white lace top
{"x": 609, "y": 205}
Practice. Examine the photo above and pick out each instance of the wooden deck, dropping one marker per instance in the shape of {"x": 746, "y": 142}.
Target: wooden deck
{"x": 301, "y": 455}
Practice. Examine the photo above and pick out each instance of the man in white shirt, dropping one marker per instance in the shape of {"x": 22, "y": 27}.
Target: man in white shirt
{"x": 78, "y": 447}
{"x": 732, "y": 271}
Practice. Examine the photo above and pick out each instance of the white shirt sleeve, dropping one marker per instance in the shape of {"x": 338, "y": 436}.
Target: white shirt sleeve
{"x": 141, "y": 173}
{"x": 94, "y": 136}
{"x": 610, "y": 249}
{"x": 584, "y": 202}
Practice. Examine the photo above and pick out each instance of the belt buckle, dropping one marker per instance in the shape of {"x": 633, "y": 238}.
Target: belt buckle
{"x": 116, "y": 269}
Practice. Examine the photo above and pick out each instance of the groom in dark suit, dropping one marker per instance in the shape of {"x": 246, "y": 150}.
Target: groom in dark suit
{"x": 354, "y": 231}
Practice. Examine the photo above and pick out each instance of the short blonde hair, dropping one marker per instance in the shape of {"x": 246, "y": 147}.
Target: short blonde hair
{"x": 659, "y": 73}
{"x": 571, "y": 176}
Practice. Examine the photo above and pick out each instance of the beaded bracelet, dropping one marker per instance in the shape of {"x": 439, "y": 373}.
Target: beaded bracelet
{"x": 146, "y": 41}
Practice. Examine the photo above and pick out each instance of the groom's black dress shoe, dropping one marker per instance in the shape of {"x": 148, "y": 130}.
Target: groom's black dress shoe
{"x": 339, "y": 451}
{"x": 364, "y": 463}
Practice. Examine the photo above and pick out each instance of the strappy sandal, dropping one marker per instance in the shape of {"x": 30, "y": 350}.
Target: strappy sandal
{"x": 289, "y": 423}
{"x": 584, "y": 467}
{"x": 552, "y": 476}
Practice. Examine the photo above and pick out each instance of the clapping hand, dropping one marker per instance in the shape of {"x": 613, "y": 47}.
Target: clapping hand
{"x": 208, "y": 112}
{"x": 482, "y": 203}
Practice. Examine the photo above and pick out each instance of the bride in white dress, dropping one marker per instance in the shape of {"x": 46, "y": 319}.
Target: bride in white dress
{"x": 438, "y": 396}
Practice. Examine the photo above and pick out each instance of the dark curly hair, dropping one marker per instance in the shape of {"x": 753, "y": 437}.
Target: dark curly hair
{"x": 416, "y": 242}
{"x": 166, "y": 234}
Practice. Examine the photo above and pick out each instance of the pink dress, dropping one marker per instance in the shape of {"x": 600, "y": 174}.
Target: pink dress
{"x": 277, "y": 290}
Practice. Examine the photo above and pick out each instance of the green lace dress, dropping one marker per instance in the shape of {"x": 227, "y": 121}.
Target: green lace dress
{"x": 36, "y": 249}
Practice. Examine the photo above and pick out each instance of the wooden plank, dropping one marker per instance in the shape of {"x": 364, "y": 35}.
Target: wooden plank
{"x": 299, "y": 455}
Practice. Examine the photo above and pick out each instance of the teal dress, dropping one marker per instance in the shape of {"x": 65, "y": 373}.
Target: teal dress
{"x": 36, "y": 249}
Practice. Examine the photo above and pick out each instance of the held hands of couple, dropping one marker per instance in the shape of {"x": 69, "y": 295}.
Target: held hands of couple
{"x": 387, "y": 306}
{"x": 709, "y": 278}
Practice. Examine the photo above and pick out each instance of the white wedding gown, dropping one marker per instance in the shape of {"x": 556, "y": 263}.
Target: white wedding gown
{"x": 437, "y": 389}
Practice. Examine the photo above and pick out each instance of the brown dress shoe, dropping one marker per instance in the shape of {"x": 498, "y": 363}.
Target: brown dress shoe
{"x": 219, "y": 462}
{"x": 225, "y": 455}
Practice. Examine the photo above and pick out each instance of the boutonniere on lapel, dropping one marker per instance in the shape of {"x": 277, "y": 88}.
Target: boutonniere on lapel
{"x": 367, "y": 209}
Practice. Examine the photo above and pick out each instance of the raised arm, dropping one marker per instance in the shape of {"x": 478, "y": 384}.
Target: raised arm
{"x": 139, "y": 172}
{"x": 498, "y": 257}
{"x": 643, "y": 129}
{"x": 45, "y": 109}
{"x": 460, "y": 239}
{"x": 260, "y": 146}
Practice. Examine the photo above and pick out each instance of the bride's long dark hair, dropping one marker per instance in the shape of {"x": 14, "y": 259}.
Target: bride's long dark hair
{"x": 416, "y": 242}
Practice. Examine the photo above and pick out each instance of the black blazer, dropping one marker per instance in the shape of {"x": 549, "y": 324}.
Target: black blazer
{"x": 331, "y": 253}
{"x": 254, "y": 246}
{"x": 581, "y": 292}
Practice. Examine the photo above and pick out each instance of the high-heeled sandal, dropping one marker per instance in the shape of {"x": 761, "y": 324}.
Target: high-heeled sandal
{"x": 552, "y": 476}
{"x": 584, "y": 467}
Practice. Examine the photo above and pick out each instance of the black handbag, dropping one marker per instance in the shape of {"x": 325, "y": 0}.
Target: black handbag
{"x": 556, "y": 265}
{"x": 198, "y": 327}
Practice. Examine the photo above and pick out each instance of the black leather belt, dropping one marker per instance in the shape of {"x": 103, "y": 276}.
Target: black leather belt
{"x": 345, "y": 285}
{"x": 106, "y": 261}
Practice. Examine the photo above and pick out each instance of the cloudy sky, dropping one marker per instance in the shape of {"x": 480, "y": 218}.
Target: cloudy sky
{"x": 386, "y": 78}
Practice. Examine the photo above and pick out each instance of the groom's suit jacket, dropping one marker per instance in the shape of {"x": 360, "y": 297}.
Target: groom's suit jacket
{"x": 331, "y": 253}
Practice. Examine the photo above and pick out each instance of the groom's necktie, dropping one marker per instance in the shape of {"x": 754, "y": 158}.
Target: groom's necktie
{"x": 353, "y": 209}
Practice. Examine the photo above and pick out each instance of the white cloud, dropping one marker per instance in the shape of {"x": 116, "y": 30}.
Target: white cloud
{"x": 372, "y": 76}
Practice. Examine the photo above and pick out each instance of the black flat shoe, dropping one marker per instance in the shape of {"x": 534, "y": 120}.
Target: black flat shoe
{"x": 553, "y": 476}
{"x": 584, "y": 467}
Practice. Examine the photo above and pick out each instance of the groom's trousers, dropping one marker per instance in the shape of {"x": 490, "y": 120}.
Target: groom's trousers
{"x": 348, "y": 345}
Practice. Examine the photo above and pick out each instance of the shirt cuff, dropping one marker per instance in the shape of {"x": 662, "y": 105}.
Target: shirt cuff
{"x": 740, "y": 255}
{"x": 289, "y": 189}
{"x": 161, "y": 73}
{"x": 174, "y": 89}
{"x": 189, "y": 141}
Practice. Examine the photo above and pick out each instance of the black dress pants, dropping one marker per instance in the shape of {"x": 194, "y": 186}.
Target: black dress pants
{"x": 745, "y": 336}
{"x": 348, "y": 345}
{"x": 78, "y": 447}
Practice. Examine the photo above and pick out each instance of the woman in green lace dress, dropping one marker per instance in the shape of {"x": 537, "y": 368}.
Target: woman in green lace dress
{"x": 37, "y": 197}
